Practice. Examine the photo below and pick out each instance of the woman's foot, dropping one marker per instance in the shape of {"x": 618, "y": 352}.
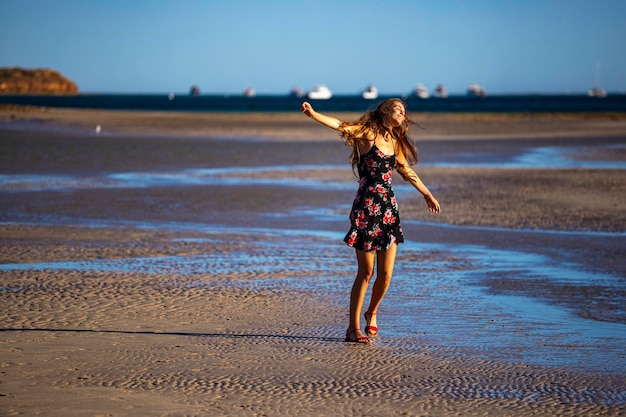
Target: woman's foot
{"x": 356, "y": 336}
{"x": 370, "y": 327}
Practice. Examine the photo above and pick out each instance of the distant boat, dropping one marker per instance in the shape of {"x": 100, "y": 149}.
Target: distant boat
{"x": 249, "y": 92}
{"x": 321, "y": 92}
{"x": 421, "y": 91}
{"x": 171, "y": 96}
{"x": 440, "y": 91}
{"x": 194, "y": 90}
{"x": 296, "y": 92}
{"x": 476, "y": 90}
{"x": 596, "y": 91}
{"x": 370, "y": 93}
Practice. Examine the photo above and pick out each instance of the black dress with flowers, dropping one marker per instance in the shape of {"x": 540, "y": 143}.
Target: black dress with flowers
{"x": 374, "y": 219}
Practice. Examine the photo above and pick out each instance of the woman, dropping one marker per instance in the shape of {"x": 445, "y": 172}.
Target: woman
{"x": 380, "y": 143}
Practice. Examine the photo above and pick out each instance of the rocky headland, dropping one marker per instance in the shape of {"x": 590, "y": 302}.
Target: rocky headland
{"x": 35, "y": 81}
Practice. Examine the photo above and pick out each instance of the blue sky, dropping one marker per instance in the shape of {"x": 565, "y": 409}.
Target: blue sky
{"x": 224, "y": 46}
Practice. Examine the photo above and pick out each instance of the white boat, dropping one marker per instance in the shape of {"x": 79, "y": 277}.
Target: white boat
{"x": 440, "y": 91}
{"x": 370, "y": 93}
{"x": 249, "y": 92}
{"x": 596, "y": 91}
{"x": 421, "y": 91}
{"x": 321, "y": 92}
{"x": 476, "y": 90}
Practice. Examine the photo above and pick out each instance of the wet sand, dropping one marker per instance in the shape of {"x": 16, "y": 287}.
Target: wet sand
{"x": 202, "y": 332}
{"x": 292, "y": 126}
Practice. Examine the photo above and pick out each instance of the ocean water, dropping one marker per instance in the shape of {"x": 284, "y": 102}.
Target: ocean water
{"x": 277, "y": 103}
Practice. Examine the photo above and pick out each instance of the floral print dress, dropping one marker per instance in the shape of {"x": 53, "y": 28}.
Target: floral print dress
{"x": 374, "y": 219}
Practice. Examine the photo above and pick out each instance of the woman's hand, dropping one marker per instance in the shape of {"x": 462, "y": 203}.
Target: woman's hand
{"x": 432, "y": 203}
{"x": 307, "y": 109}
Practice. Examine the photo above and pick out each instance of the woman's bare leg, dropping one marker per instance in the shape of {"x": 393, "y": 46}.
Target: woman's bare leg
{"x": 364, "y": 274}
{"x": 384, "y": 270}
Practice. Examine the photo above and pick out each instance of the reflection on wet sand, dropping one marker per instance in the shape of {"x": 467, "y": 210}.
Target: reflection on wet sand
{"x": 472, "y": 298}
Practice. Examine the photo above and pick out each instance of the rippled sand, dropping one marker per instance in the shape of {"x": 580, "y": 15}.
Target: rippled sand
{"x": 214, "y": 343}
{"x": 201, "y": 332}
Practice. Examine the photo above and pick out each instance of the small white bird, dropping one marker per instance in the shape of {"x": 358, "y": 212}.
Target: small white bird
{"x": 98, "y": 129}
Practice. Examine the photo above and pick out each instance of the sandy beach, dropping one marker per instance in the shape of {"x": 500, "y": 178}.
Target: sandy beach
{"x": 192, "y": 264}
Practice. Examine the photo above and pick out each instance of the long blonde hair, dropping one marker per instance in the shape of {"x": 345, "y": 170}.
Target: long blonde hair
{"x": 371, "y": 124}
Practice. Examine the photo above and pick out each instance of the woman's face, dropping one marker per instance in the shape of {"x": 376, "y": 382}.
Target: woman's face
{"x": 397, "y": 114}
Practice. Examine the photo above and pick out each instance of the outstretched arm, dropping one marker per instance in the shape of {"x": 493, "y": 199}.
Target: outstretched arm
{"x": 329, "y": 121}
{"x": 412, "y": 178}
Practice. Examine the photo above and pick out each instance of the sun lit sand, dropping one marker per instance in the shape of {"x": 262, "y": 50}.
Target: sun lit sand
{"x": 230, "y": 322}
